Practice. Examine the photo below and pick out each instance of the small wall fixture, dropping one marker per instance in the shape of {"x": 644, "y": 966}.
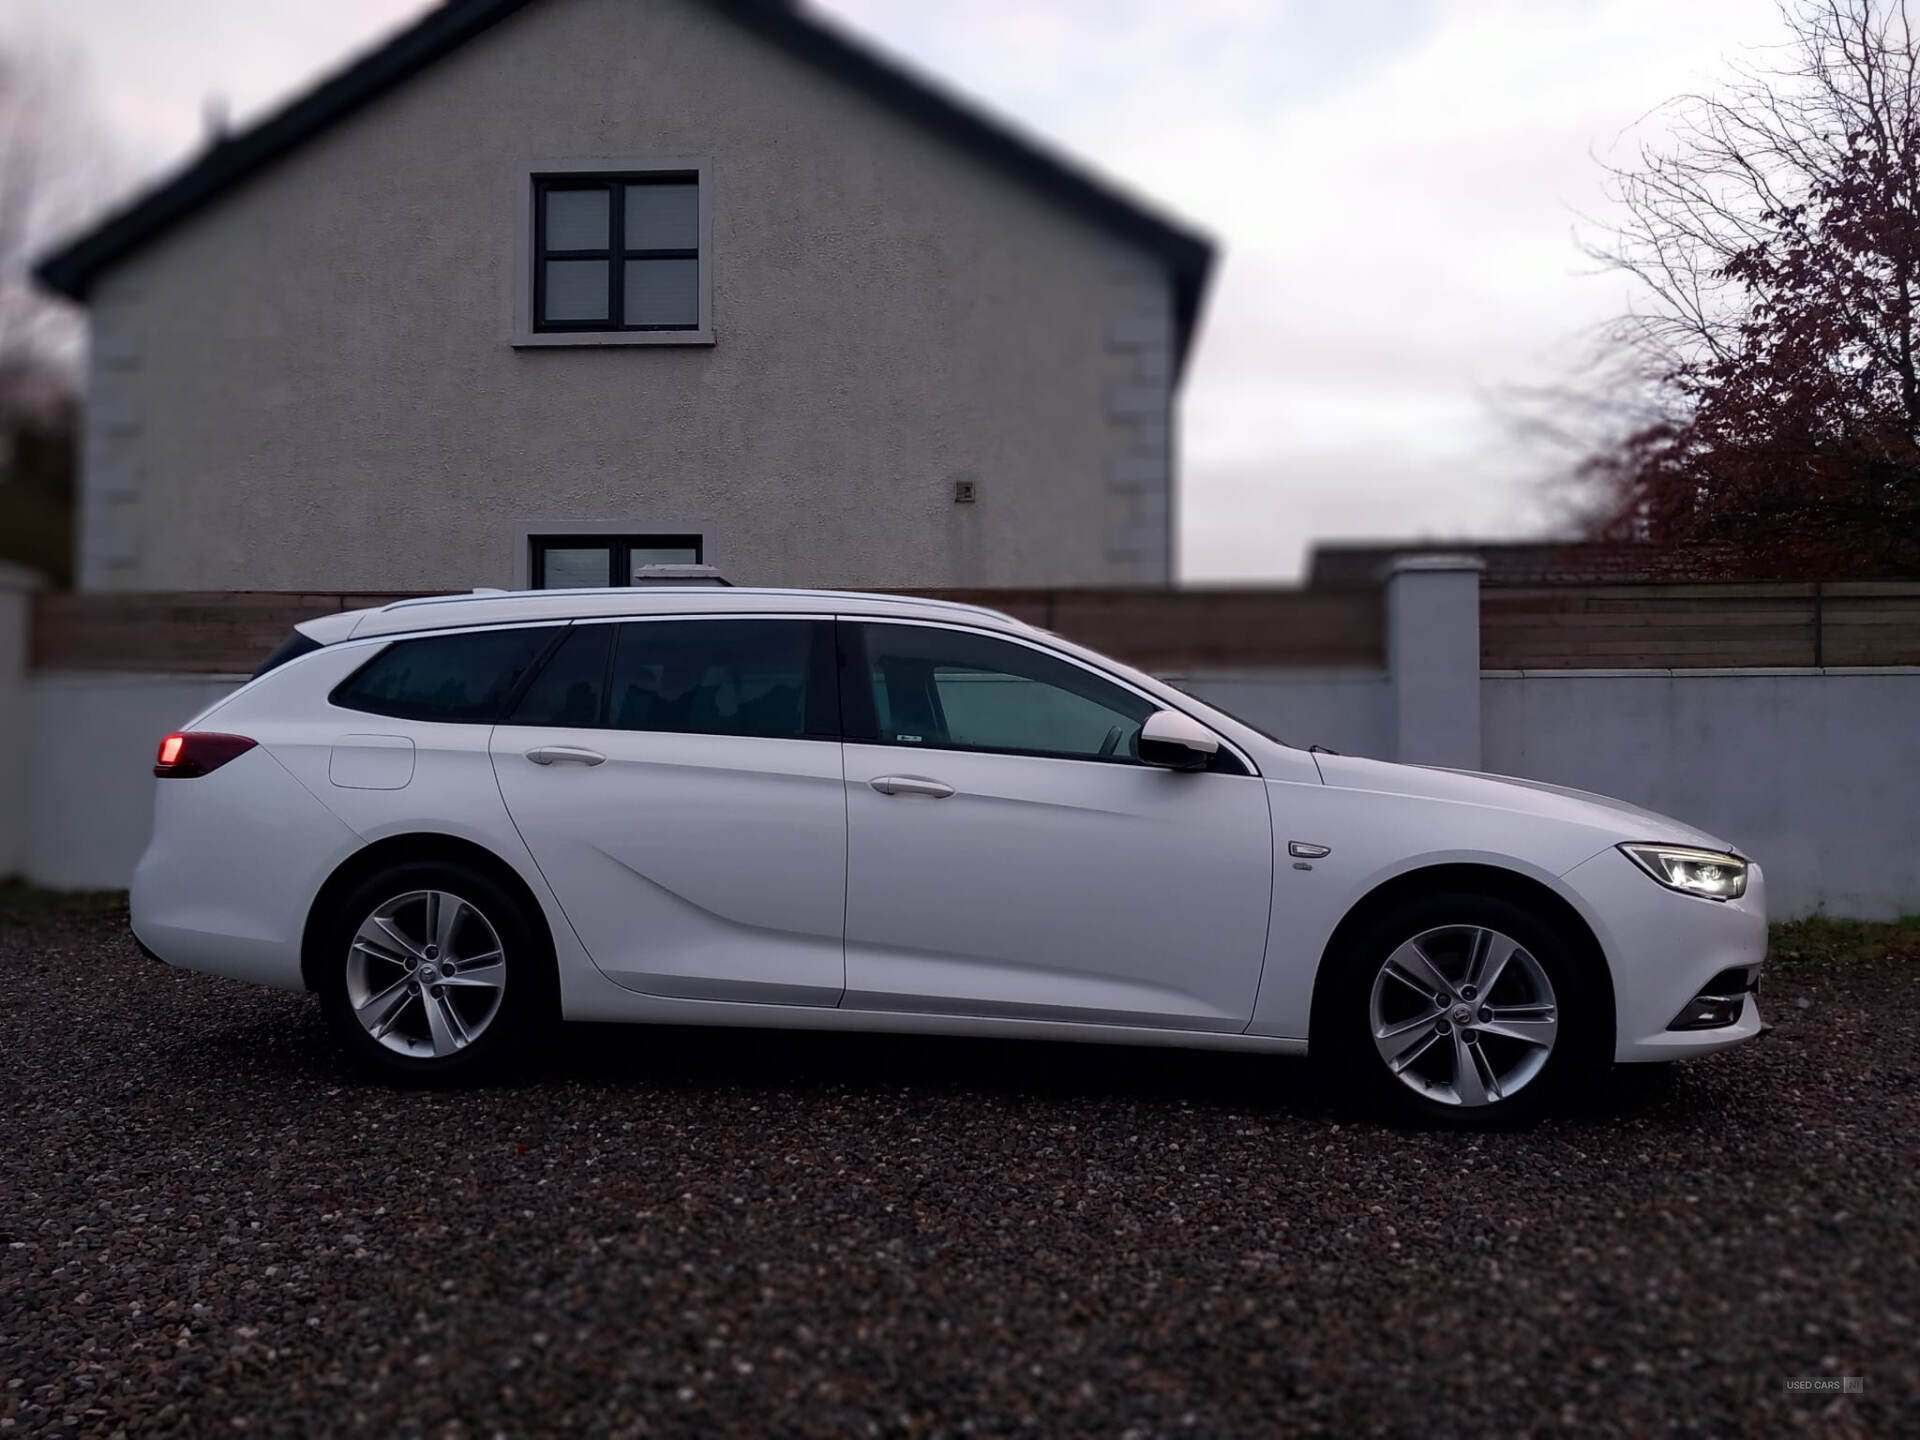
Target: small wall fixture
{"x": 965, "y": 492}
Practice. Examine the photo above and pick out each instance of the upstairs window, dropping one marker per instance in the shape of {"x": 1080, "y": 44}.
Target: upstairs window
{"x": 617, "y": 252}
{"x": 579, "y": 562}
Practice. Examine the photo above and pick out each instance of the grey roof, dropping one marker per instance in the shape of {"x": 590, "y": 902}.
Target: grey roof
{"x": 1186, "y": 255}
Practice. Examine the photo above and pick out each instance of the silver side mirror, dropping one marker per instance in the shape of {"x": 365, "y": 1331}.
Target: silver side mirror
{"x": 1176, "y": 741}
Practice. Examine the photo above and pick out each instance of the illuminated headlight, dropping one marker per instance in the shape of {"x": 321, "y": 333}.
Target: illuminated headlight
{"x": 1692, "y": 872}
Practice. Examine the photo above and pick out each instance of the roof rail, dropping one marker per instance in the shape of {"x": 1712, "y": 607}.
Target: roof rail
{"x": 931, "y": 602}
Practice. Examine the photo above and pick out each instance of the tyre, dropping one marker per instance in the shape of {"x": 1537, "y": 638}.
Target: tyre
{"x": 1464, "y": 1010}
{"x": 433, "y": 972}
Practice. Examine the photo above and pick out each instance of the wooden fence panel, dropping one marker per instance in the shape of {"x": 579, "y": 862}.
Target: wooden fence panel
{"x": 1536, "y": 627}
{"x": 231, "y": 632}
{"x": 219, "y": 632}
{"x": 1699, "y": 626}
{"x": 1214, "y": 629}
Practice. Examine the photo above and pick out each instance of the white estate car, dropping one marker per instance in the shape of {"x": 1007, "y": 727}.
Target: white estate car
{"x": 458, "y": 819}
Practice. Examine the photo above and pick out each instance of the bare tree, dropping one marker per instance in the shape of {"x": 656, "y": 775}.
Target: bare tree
{"x": 1765, "y": 392}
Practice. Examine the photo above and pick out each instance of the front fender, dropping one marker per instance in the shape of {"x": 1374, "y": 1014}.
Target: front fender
{"x": 1374, "y": 838}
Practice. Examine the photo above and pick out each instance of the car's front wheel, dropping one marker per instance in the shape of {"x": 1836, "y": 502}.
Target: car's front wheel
{"x": 434, "y": 972}
{"x": 1465, "y": 1009}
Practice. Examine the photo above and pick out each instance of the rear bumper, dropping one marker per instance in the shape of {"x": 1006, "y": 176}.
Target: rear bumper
{"x": 235, "y": 860}
{"x": 1663, "y": 948}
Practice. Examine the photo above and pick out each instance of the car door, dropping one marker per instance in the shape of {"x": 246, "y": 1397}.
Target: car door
{"x": 1008, "y": 855}
{"x": 678, "y": 782}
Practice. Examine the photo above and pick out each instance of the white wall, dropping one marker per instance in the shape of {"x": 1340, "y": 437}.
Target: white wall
{"x": 1815, "y": 773}
{"x": 16, "y": 724}
{"x": 1351, "y": 711}
{"x": 89, "y": 790}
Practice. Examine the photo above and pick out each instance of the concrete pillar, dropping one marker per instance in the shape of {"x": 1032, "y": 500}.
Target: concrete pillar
{"x": 1433, "y": 655}
{"x": 16, "y": 593}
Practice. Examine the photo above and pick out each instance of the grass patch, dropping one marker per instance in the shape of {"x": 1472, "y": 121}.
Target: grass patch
{"x": 1823, "y": 940}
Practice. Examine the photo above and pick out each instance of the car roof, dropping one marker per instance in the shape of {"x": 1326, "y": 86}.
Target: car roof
{"x": 509, "y": 607}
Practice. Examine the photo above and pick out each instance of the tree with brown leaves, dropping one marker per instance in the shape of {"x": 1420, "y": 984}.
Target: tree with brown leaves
{"x": 1776, "y": 237}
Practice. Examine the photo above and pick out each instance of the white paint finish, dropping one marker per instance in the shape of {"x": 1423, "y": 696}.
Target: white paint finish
{"x": 983, "y": 887}
{"x": 325, "y": 351}
{"x": 704, "y": 867}
{"x": 612, "y": 1004}
{"x": 1056, "y": 889}
{"x": 1433, "y": 654}
{"x": 371, "y": 762}
{"x": 230, "y": 875}
{"x": 1510, "y": 794}
{"x": 515, "y": 607}
{"x": 90, "y": 782}
{"x": 1817, "y": 775}
{"x": 1382, "y": 820}
{"x": 1664, "y": 947}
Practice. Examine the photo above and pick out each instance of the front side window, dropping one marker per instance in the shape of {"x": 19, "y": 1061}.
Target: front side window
{"x": 617, "y": 252}
{"x": 766, "y": 678}
{"x": 454, "y": 678}
{"x": 576, "y": 562}
{"x": 956, "y": 690}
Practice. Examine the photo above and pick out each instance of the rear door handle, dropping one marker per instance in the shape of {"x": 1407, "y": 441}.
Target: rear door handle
{"x": 911, "y": 785}
{"x": 564, "y": 755}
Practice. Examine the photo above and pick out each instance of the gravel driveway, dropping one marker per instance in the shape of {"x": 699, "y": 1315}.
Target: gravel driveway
{"x": 210, "y": 1228}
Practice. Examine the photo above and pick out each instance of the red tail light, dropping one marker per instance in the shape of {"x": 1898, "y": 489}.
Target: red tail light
{"x": 184, "y": 755}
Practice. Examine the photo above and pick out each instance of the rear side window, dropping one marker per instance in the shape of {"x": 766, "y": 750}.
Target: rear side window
{"x": 458, "y": 678}
{"x": 291, "y": 648}
{"x": 766, "y": 678}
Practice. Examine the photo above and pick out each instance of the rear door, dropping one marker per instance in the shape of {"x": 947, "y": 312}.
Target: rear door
{"x": 679, "y": 784}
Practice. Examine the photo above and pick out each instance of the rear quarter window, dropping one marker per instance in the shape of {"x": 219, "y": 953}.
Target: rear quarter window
{"x": 465, "y": 678}
{"x": 291, "y": 648}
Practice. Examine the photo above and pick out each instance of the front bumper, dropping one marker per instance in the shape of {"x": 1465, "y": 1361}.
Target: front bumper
{"x": 1664, "y": 948}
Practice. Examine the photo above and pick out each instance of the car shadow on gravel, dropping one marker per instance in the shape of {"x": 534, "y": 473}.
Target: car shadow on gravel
{"x": 284, "y": 1042}
{"x": 797, "y": 1063}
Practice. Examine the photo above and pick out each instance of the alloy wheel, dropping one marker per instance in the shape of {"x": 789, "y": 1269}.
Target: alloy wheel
{"x": 1463, "y": 1015}
{"x": 426, "y": 974}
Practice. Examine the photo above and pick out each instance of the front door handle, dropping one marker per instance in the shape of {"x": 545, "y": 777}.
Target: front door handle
{"x": 911, "y": 785}
{"x": 564, "y": 755}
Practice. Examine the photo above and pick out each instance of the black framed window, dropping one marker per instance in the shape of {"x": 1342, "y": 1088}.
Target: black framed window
{"x": 928, "y": 687}
{"x": 764, "y": 679}
{"x": 768, "y": 679}
{"x": 616, "y": 252}
{"x": 464, "y": 678}
{"x": 584, "y": 562}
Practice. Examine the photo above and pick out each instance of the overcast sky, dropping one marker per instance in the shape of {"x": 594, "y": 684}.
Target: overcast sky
{"x": 1394, "y": 185}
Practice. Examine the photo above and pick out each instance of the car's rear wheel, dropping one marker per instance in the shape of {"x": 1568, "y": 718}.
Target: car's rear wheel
{"x": 1466, "y": 1010}
{"x": 434, "y": 972}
